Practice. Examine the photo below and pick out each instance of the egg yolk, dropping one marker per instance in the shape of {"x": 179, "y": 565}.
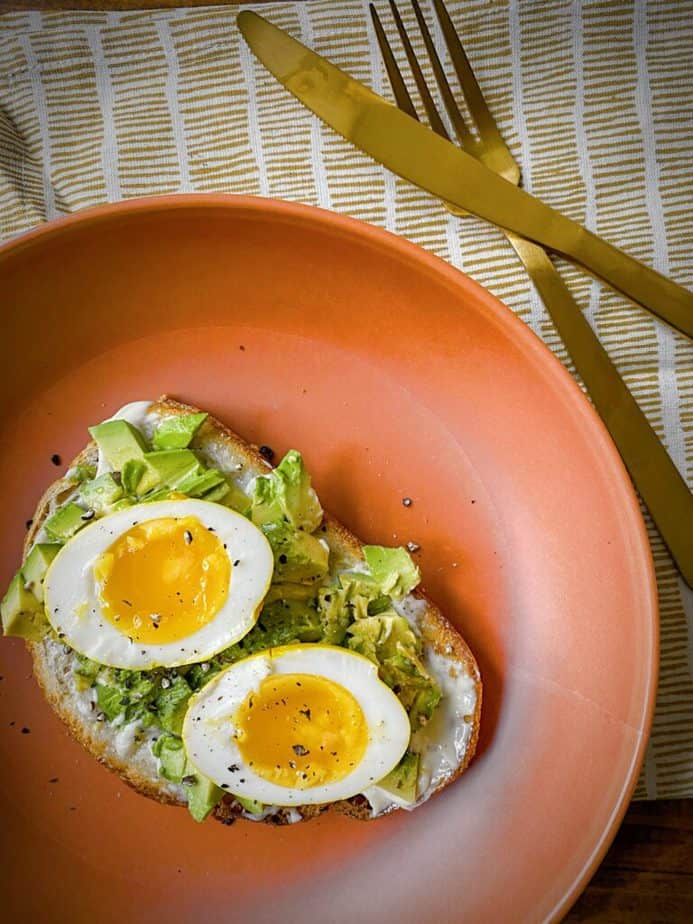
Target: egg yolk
{"x": 163, "y": 579}
{"x": 301, "y": 730}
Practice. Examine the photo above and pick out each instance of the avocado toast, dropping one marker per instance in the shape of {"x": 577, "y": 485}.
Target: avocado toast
{"x": 328, "y": 596}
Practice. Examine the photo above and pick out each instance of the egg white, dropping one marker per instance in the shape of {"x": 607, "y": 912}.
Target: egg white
{"x": 73, "y": 606}
{"x": 208, "y": 724}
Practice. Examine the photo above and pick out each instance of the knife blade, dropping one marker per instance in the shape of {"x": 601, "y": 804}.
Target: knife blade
{"x": 416, "y": 153}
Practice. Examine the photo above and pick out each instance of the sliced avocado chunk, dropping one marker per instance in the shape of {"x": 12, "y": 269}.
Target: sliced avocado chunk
{"x": 177, "y": 432}
{"x": 203, "y": 794}
{"x": 402, "y": 781}
{"x": 101, "y": 493}
{"x": 66, "y": 521}
{"x": 197, "y": 484}
{"x": 286, "y": 495}
{"x": 83, "y": 473}
{"x": 157, "y": 494}
{"x": 169, "y": 467}
{"x": 298, "y": 556}
{"x": 131, "y": 475}
{"x": 35, "y": 567}
{"x": 282, "y": 591}
{"x": 122, "y": 504}
{"x": 171, "y": 753}
{"x": 119, "y": 441}
{"x": 237, "y": 500}
{"x": 250, "y": 805}
{"x": 22, "y": 614}
{"x": 392, "y": 569}
{"x": 218, "y": 494}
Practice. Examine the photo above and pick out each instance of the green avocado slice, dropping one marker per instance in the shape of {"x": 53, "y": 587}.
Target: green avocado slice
{"x": 203, "y": 794}
{"x": 101, "y": 493}
{"x": 119, "y": 442}
{"x": 35, "y": 567}
{"x": 22, "y": 614}
{"x": 177, "y": 432}
{"x": 402, "y": 781}
{"x": 66, "y": 521}
{"x": 250, "y": 805}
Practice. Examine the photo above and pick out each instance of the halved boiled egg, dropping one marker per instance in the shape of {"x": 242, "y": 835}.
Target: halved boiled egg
{"x": 164, "y": 583}
{"x": 296, "y": 725}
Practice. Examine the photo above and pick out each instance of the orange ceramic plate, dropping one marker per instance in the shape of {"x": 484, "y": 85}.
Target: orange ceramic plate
{"x": 396, "y": 376}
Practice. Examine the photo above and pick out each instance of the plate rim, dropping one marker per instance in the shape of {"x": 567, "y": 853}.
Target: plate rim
{"x": 521, "y": 333}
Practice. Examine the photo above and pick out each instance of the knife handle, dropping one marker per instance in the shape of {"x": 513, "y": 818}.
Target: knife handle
{"x": 643, "y": 285}
{"x": 655, "y": 476}
{"x": 542, "y": 224}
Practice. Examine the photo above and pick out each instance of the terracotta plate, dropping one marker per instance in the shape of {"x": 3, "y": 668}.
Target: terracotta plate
{"x": 397, "y": 377}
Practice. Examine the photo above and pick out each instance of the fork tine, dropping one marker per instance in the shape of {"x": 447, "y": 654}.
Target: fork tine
{"x": 465, "y": 137}
{"x": 399, "y": 88}
{"x": 471, "y": 89}
{"x": 425, "y": 94}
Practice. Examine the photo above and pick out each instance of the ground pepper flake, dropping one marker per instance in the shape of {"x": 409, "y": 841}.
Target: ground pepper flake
{"x": 267, "y": 452}
{"x": 406, "y": 501}
{"x": 55, "y": 459}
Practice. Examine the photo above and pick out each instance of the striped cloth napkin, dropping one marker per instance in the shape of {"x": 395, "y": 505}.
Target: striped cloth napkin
{"x": 594, "y": 98}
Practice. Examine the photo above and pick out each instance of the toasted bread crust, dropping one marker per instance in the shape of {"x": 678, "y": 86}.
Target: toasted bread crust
{"x": 436, "y": 630}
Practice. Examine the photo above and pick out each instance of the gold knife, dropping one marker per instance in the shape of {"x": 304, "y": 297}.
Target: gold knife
{"x": 416, "y": 153}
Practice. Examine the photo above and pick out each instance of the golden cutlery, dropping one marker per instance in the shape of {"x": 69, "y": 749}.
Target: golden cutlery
{"x": 419, "y": 155}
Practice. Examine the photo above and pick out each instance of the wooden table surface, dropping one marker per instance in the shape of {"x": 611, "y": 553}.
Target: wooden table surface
{"x": 647, "y": 875}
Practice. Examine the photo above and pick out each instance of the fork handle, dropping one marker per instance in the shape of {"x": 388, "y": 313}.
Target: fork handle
{"x": 651, "y": 468}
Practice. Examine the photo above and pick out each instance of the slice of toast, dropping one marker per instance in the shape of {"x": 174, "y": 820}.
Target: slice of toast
{"x": 127, "y": 750}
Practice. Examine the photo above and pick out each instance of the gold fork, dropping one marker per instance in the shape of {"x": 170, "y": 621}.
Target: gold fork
{"x": 652, "y": 470}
